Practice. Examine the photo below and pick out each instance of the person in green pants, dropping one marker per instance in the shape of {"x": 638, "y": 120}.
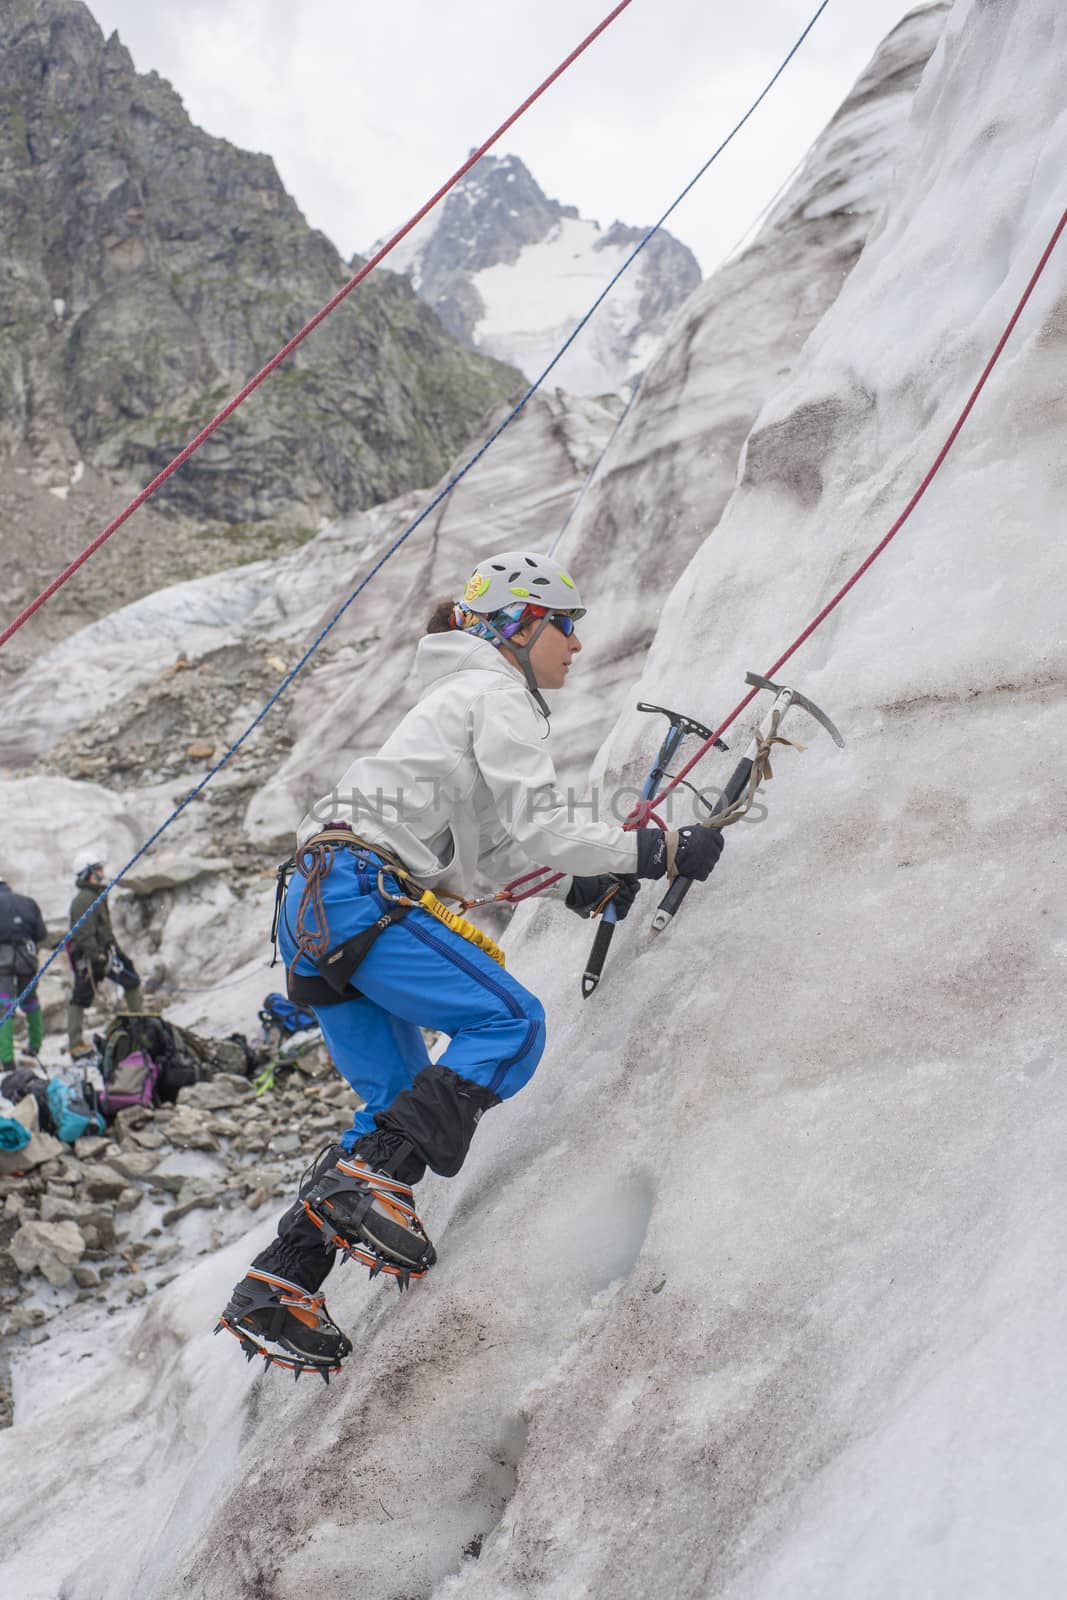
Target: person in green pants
{"x": 94, "y": 954}
{"x": 22, "y": 929}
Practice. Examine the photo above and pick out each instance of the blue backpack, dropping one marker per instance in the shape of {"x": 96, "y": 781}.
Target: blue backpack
{"x": 72, "y": 1110}
{"x": 285, "y": 1015}
{"x": 13, "y": 1136}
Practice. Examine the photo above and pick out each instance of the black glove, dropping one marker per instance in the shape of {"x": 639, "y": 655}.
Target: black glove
{"x": 587, "y": 896}
{"x": 683, "y": 852}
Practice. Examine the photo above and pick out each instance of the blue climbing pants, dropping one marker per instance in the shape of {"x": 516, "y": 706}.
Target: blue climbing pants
{"x": 417, "y": 974}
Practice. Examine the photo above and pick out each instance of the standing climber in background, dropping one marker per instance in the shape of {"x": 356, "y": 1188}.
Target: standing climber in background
{"x": 94, "y": 954}
{"x": 22, "y": 929}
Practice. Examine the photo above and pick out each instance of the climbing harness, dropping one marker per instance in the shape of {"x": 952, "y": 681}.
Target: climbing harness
{"x": 680, "y": 727}
{"x": 753, "y": 769}
{"x": 336, "y": 964}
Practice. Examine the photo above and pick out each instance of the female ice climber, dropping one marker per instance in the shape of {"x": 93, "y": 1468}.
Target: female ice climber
{"x": 463, "y": 790}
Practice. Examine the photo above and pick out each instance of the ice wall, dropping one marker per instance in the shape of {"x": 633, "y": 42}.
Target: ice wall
{"x": 757, "y": 1289}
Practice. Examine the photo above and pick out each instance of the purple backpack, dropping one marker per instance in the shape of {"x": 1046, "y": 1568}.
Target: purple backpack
{"x": 132, "y": 1082}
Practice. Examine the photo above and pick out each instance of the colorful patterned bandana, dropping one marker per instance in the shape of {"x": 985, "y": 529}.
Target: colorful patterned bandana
{"x": 498, "y": 626}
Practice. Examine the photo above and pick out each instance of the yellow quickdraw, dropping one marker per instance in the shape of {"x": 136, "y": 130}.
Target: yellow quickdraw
{"x": 466, "y": 930}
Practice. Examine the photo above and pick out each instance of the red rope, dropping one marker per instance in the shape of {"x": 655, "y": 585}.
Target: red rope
{"x": 898, "y": 524}
{"x": 364, "y": 271}
{"x": 643, "y": 813}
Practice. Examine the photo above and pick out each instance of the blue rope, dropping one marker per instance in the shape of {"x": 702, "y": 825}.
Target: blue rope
{"x": 576, "y": 505}
{"x": 421, "y": 518}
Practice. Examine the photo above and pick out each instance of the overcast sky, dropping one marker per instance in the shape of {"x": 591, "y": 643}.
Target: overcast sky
{"x": 366, "y": 108}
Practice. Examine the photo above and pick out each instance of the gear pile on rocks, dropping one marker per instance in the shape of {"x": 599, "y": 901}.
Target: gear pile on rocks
{"x": 104, "y": 1219}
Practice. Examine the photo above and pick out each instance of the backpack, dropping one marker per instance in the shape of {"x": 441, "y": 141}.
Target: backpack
{"x": 13, "y": 1136}
{"x": 20, "y": 958}
{"x": 286, "y": 1015}
{"x": 72, "y": 1108}
{"x": 23, "y": 1081}
{"x": 134, "y": 1081}
{"x": 143, "y": 1061}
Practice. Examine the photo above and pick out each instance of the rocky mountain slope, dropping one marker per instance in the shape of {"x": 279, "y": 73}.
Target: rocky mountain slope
{"x": 147, "y": 270}
{"x": 757, "y": 1288}
{"x": 510, "y": 271}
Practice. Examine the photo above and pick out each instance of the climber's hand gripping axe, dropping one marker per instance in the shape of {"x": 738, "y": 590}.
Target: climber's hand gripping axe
{"x": 680, "y": 727}
{"x": 784, "y": 699}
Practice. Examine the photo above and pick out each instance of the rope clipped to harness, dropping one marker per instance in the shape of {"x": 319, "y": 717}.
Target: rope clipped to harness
{"x": 314, "y": 864}
{"x": 337, "y": 963}
{"x": 428, "y": 901}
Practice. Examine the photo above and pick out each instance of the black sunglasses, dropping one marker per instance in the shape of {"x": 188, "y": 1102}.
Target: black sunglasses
{"x": 562, "y": 621}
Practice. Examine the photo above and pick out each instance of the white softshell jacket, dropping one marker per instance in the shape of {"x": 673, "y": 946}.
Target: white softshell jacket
{"x": 464, "y": 788}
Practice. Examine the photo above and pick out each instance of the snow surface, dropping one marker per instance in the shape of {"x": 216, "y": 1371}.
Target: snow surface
{"x": 533, "y": 303}
{"x": 757, "y": 1290}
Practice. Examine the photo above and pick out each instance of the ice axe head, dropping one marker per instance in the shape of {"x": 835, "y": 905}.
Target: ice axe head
{"x": 797, "y": 699}
{"x": 681, "y": 724}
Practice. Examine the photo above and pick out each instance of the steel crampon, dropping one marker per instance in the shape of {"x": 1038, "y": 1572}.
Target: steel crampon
{"x": 369, "y": 1218}
{"x": 269, "y": 1302}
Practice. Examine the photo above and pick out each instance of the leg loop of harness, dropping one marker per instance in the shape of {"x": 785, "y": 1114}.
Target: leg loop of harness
{"x": 337, "y": 964}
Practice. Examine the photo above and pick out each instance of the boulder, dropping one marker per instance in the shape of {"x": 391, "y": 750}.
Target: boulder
{"x": 216, "y": 1094}
{"x": 56, "y": 1209}
{"x": 104, "y": 1183}
{"x": 193, "y": 1197}
{"x": 147, "y": 1139}
{"x": 172, "y": 873}
{"x": 51, "y": 1248}
{"x": 133, "y": 1164}
{"x": 41, "y": 1148}
{"x": 167, "y": 1182}
{"x": 285, "y": 1144}
{"x": 91, "y": 1147}
{"x": 187, "y": 1129}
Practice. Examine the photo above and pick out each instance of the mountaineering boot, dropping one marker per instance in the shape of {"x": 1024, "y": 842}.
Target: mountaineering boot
{"x": 76, "y": 1044}
{"x": 134, "y": 1000}
{"x": 367, "y": 1212}
{"x": 287, "y": 1325}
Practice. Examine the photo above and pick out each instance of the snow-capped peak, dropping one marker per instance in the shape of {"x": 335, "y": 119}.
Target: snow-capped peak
{"x": 510, "y": 271}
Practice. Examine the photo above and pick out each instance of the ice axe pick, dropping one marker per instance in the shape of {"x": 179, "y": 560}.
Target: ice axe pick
{"x": 784, "y": 699}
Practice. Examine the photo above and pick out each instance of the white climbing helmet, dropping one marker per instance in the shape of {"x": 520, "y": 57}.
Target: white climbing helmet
{"x": 85, "y": 861}
{"x": 500, "y": 581}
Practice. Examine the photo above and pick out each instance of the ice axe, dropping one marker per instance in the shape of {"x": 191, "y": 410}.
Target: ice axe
{"x": 680, "y": 727}
{"x": 784, "y": 699}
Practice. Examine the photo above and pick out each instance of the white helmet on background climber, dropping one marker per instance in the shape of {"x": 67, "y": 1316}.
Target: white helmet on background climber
{"x": 86, "y": 862}
{"x": 500, "y": 581}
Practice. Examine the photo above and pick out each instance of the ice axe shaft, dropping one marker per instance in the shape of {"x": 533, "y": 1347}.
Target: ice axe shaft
{"x": 680, "y": 727}
{"x": 784, "y": 699}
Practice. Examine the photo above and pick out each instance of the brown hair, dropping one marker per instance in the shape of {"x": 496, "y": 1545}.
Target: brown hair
{"x": 440, "y": 618}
